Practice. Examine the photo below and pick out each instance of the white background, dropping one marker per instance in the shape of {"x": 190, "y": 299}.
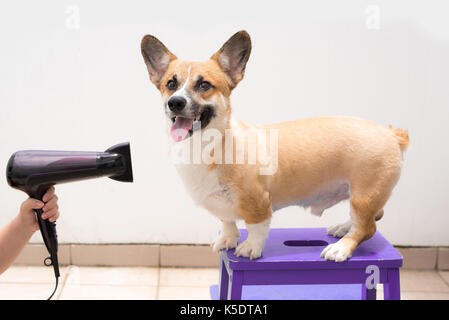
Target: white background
{"x": 72, "y": 78}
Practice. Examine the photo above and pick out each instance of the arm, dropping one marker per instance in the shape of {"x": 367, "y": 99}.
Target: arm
{"x": 16, "y": 234}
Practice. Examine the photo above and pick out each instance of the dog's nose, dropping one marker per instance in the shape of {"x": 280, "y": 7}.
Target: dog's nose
{"x": 176, "y": 103}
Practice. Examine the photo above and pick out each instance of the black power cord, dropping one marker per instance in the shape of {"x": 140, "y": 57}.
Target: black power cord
{"x": 56, "y": 288}
{"x": 49, "y": 262}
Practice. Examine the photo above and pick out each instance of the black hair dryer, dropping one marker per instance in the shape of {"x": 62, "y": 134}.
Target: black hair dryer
{"x": 35, "y": 171}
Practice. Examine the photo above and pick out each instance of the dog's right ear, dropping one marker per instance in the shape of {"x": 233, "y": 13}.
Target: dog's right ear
{"x": 157, "y": 58}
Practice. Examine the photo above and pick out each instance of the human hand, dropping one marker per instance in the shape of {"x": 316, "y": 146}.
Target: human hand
{"x": 49, "y": 205}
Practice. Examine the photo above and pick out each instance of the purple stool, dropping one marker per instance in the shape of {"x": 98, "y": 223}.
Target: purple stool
{"x": 291, "y": 268}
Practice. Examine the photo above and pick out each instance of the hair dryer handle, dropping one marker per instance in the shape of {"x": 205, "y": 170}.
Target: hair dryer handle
{"x": 48, "y": 231}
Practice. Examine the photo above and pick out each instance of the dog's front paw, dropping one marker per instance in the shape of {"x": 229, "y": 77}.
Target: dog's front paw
{"x": 250, "y": 249}
{"x": 337, "y": 252}
{"x": 225, "y": 242}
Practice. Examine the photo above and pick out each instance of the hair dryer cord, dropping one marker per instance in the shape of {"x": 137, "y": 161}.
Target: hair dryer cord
{"x": 56, "y": 288}
{"x": 49, "y": 262}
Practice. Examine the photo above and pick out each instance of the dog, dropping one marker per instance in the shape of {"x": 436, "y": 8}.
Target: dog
{"x": 321, "y": 161}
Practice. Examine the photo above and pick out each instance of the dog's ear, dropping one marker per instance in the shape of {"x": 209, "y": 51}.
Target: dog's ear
{"x": 157, "y": 58}
{"x": 233, "y": 56}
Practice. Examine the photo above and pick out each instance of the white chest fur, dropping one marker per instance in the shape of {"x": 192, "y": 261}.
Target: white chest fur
{"x": 205, "y": 189}
{"x": 203, "y": 184}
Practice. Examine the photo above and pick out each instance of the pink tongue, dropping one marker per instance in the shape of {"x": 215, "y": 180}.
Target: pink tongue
{"x": 180, "y": 129}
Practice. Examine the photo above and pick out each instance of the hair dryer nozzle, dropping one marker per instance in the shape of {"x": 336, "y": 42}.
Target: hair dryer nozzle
{"x": 124, "y": 150}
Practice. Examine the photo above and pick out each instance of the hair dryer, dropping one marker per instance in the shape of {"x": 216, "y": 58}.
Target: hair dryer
{"x": 35, "y": 171}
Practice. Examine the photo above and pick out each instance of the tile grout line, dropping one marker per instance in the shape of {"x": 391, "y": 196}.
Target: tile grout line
{"x": 437, "y": 258}
{"x": 158, "y": 273}
{"x": 442, "y": 278}
{"x": 63, "y": 282}
{"x": 158, "y": 285}
{"x": 66, "y": 275}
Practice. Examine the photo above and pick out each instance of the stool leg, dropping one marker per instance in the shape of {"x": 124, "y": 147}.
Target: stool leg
{"x": 223, "y": 281}
{"x": 368, "y": 294}
{"x": 235, "y": 285}
{"x": 392, "y": 289}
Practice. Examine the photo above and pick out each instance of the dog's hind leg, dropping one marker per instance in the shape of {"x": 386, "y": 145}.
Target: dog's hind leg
{"x": 367, "y": 201}
{"x": 363, "y": 227}
{"x": 339, "y": 230}
{"x": 379, "y": 215}
{"x": 369, "y": 193}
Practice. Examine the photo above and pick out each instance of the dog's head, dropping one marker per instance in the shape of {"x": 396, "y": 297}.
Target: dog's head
{"x": 196, "y": 94}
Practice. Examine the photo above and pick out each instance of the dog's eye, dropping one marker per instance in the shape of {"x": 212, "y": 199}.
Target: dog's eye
{"x": 205, "y": 85}
{"x": 172, "y": 84}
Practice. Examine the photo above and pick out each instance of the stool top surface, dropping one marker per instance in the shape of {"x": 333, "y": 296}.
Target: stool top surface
{"x": 300, "y": 248}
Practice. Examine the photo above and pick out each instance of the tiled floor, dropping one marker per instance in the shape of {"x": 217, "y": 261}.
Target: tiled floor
{"x": 23, "y": 282}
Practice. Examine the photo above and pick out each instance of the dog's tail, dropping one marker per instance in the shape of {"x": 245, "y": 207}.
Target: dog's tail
{"x": 402, "y": 137}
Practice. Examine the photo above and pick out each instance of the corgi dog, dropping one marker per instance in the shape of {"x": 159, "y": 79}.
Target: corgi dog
{"x": 319, "y": 162}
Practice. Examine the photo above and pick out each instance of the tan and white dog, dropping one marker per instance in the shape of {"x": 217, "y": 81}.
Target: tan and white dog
{"x": 320, "y": 161}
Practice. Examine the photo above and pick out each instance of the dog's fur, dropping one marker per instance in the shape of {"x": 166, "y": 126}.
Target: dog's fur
{"x": 321, "y": 161}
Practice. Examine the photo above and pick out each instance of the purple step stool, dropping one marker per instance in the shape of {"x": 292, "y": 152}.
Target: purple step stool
{"x": 291, "y": 268}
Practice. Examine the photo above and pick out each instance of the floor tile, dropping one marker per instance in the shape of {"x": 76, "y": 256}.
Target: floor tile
{"x": 128, "y": 276}
{"x": 106, "y": 292}
{"x": 419, "y": 295}
{"x": 30, "y": 291}
{"x": 30, "y": 274}
{"x": 445, "y": 276}
{"x": 188, "y": 277}
{"x": 423, "y": 281}
{"x": 35, "y": 282}
{"x": 183, "y": 293}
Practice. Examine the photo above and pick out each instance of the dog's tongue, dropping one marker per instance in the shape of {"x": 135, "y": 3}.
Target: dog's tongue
{"x": 180, "y": 129}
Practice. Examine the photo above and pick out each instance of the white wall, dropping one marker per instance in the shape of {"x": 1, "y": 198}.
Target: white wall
{"x": 82, "y": 85}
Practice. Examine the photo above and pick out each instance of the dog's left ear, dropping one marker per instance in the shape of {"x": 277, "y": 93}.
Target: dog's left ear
{"x": 157, "y": 58}
{"x": 233, "y": 56}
